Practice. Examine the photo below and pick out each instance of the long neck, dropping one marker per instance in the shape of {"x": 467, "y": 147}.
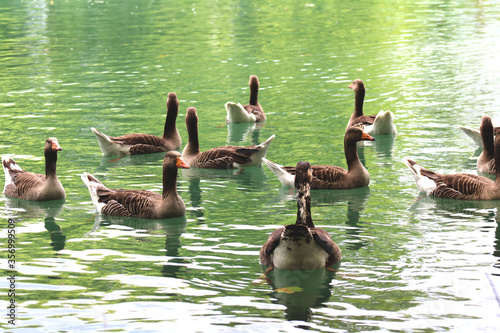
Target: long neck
{"x": 254, "y": 92}
{"x": 50, "y": 163}
{"x": 172, "y": 112}
{"x": 488, "y": 143}
{"x": 193, "y": 144}
{"x": 359, "y": 97}
{"x": 351, "y": 153}
{"x": 169, "y": 181}
{"x": 304, "y": 206}
{"x": 497, "y": 159}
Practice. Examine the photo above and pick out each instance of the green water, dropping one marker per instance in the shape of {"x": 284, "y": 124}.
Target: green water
{"x": 409, "y": 263}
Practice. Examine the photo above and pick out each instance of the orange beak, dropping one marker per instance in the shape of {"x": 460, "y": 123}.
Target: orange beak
{"x": 350, "y": 86}
{"x": 181, "y": 164}
{"x": 368, "y": 137}
{"x": 55, "y": 146}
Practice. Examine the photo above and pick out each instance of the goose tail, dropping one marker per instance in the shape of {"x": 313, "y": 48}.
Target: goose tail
{"x": 262, "y": 151}
{"x": 383, "y": 124}
{"x": 108, "y": 146}
{"x": 285, "y": 178}
{"x": 424, "y": 183}
{"x": 236, "y": 113}
{"x": 474, "y": 134}
{"x": 93, "y": 184}
{"x": 10, "y": 168}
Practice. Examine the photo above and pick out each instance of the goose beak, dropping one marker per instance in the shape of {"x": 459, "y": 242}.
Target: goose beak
{"x": 351, "y": 86}
{"x": 55, "y": 146}
{"x": 368, "y": 137}
{"x": 181, "y": 164}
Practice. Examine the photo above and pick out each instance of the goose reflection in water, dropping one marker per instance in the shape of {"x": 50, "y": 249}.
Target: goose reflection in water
{"x": 173, "y": 228}
{"x": 19, "y": 209}
{"x": 299, "y": 291}
{"x": 241, "y": 132}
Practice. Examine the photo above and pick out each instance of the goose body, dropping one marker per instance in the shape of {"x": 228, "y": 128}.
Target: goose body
{"x": 461, "y": 186}
{"x": 330, "y": 176}
{"x": 140, "y": 203}
{"x": 250, "y": 113}
{"x": 300, "y": 246}
{"x": 224, "y": 157}
{"x": 31, "y": 186}
{"x": 140, "y": 143}
{"x": 380, "y": 124}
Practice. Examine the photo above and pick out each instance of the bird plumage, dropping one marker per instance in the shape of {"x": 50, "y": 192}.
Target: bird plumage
{"x": 461, "y": 186}
{"x": 330, "y": 176}
{"x": 250, "y": 113}
{"x": 224, "y": 157}
{"x": 380, "y": 124}
{"x": 300, "y": 246}
{"x": 31, "y": 186}
{"x": 141, "y": 143}
{"x": 141, "y": 203}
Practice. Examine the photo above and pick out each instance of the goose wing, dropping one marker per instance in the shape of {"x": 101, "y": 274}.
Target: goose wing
{"x": 268, "y": 248}
{"x": 23, "y": 182}
{"x": 324, "y": 176}
{"x": 139, "y": 138}
{"x": 146, "y": 149}
{"x": 223, "y": 157}
{"x": 323, "y": 239}
{"x": 460, "y": 186}
{"x": 127, "y": 202}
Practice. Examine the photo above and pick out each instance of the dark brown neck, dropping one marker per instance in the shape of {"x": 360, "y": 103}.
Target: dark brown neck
{"x": 359, "y": 97}
{"x": 50, "y": 163}
{"x": 169, "y": 181}
{"x": 488, "y": 142}
{"x": 192, "y": 129}
{"x": 172, "y": 112}
{"x": 497, "y": 158}
{"x": 304, "y": 206}
{"x": 254, "y": 92}
{"x": 351, "y": 152}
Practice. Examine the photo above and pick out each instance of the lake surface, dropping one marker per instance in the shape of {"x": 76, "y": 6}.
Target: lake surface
{"x": 410, "y": 263}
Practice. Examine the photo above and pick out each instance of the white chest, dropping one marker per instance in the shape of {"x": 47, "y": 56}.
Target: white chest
{"x": 299, "y": 255}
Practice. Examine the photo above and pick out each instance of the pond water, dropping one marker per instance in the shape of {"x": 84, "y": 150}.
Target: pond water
{"x": 410, "y": 263}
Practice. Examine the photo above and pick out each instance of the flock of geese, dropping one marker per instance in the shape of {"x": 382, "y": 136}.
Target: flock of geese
{"x": 299, "y": 246}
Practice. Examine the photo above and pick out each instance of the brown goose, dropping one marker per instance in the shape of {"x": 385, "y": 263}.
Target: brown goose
{"x": 140, "y": 203}
{"x": 381, "y": 124}
{"x": 330, "y": 176}
{"x": 486, "y": 161}
{"x": 461, "y": 186}
{"x": 225, "y": 157}
{"x": 140, "y": 143}
{"x": 251, "y": 113}
{"x": 31, "y": 186}
{"x": 300, "y": 246}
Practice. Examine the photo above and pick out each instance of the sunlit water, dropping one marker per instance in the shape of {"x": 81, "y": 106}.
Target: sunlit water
{"x": 409, "y": 262}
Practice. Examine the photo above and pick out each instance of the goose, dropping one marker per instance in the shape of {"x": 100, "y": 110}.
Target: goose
{"x": 225, "y": 157}
{"x": 31, "y": 186}
{"x": 140, "y": 203}
{"x": 486, "y": 161}
{"x": 140, "y": 143}
{"x": 381, "y": 124}
{"x": 330, "y": 176}
{"x": 251, "y": 113}
{"x": 300, "y": 246}
{"x": 461, "y": 186}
